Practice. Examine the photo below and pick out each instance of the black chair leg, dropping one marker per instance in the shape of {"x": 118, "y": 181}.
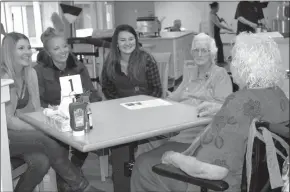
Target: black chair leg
{"x": 203, "y": 189}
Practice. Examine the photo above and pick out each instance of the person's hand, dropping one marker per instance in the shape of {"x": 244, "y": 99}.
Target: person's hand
{"x": 53, "y": 107}
{"x": 222, "y": 20}
{"x": 254, "y": 26}
{"x": 208, "y": 108}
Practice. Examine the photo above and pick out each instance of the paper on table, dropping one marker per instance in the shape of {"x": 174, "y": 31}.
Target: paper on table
{"x": 145, "y": 104}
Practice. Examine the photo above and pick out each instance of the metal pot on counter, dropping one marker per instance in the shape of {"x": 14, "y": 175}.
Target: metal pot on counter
{"x": 148, "y": 26}
{"x": 281, "y": 22}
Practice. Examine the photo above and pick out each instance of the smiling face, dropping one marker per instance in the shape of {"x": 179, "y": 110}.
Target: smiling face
{"x": 201, "y": 53}
{"x": 58, "y": 49}
{"x": 23, "y": 53}
{"x": 126, "y": 42}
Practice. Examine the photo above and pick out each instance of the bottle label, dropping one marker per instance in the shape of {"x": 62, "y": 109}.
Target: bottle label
{"x": 79, "y": 117}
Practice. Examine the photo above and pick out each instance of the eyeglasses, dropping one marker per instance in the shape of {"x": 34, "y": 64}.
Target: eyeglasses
{"x": 203, "y": 51}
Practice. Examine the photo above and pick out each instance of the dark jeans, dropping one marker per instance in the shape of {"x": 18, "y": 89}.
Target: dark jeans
{"x": 220, "y": 52}
{"x": 78, "y": 158}
{"x": 38, "y": 166}
{"x": 23, "y": 143}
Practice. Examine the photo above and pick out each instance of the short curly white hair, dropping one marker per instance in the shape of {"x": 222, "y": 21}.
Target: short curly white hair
{"x": 257, "y": 61}
{"x": 209, "y": 41}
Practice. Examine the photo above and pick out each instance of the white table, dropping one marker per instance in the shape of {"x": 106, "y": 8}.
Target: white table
{"x": 115, "y": 125}
{"x": 6, "y": 178}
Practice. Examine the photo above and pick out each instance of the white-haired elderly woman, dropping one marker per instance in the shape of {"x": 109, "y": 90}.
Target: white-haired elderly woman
{"x": 206, "y": 91}
{"x": 256, "y": 67}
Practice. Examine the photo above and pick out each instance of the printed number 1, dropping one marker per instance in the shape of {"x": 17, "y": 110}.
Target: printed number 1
{"x": 71, "y": 85}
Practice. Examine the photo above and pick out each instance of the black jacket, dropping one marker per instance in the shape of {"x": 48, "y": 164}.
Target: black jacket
{"x": 48, "y": 79}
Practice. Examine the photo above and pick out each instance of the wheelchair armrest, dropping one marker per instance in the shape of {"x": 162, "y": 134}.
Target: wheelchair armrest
{"x": 175, "y": 173}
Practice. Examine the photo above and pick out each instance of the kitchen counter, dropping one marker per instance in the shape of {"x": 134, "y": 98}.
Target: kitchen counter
{"x": 282, "y": 40}
{"x": 176, "y": 43}
{"x": 169, "y": 35}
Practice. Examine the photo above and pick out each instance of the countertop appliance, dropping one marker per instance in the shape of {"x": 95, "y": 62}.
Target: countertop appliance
{"x": 148, "y": 26}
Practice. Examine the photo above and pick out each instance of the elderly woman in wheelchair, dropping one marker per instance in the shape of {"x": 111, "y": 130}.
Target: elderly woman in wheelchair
{"x": 218, "y": 152}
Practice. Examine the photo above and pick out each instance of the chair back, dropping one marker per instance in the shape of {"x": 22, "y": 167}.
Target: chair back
{"x": 87, "y": 54}
{"x": 92, "y": 52}
{"x": 163, "y": 60}
{"x": 260, "y": 174}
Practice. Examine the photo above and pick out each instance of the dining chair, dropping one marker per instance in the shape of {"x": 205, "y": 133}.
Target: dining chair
{"x": 48, "y": 183}
{"x": 163, "y": 60}
{"x": 260, "y": 176}
{"x": 92, "y": 52}
{"x": 87, "y": 53}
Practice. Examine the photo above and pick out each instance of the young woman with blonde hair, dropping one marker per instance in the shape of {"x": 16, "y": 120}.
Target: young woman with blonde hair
{"x": 33, "y": 147}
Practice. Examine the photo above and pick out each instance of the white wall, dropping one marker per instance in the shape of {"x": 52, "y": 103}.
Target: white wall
{"x": 190, "y": 13}
{"x": 126, "y": 12}
{"x": 193, "y": 13}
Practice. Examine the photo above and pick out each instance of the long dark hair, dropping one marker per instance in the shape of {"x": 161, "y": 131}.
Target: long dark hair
{"x": 214, "y": 5}
{"x": 137, "y": 60}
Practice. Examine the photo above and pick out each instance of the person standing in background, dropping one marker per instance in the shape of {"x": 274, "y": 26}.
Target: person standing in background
{"x": 215, "y": 25}
{"x": 249, "y": 14}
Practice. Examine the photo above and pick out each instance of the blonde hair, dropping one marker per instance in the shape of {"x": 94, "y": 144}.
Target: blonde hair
{"x": 50, "y": 32}
{"x": 47, "y": 35}
{"x": 257, "y": 60}
{"x": 9, "y": 65}
{"x": 210, "y": 44}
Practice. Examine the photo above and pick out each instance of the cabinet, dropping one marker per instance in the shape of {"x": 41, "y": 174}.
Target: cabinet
{"x": 177, "y": 43}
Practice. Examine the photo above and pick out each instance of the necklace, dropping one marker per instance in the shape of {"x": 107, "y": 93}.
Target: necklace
{"x": 23, "y": 88}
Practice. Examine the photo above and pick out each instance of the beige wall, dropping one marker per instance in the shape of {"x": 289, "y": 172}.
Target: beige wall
{"x": 126, "y": 12}
{"x": 193, "y": 13}
{"x": 190, "y": 13}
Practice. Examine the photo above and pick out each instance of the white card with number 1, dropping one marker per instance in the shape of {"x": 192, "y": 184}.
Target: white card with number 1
{"x": 70, "y": 85}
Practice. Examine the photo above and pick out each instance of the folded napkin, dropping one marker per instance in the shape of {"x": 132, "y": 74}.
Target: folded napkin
{"x": 57, "y": 120}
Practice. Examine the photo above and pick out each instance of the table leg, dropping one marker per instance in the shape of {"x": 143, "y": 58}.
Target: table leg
{"x": 122, "y": 159}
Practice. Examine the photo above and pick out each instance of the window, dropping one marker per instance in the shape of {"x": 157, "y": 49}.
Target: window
{"x": 94, "y": 16}
{"x": 109, "y": 14}
{"x": 29, "y": 18}
{"x": 23, "y": 20}
{"x": 85, "y": 18}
